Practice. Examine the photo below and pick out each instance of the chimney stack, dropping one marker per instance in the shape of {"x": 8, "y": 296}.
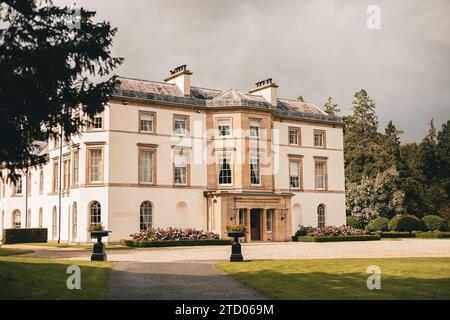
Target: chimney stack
{"x": 181, "y": 77}
{"x": 267, "y": 89}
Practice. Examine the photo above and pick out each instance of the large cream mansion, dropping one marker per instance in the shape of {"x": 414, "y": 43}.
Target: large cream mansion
{"x": 171, "y": 154}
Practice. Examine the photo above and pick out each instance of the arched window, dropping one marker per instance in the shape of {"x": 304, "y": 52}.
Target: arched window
{"x": 74, "y": 221}
{"x": 41, "y": 181}
{"x": 29, "y": 218}
{"x": 54, "y": 223}
{"x": 146, "y": 215}
{"x": 95, "y": 212}
{"x": 17, "y": 219}
{"x": 41, "y": 218}
{"x": 3, "y": 219}
{"x": 321, "y": 218}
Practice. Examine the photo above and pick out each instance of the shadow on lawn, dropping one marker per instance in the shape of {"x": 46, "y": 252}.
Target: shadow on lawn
{"x": 322, "y": 285}
{"x": 23, "y": 278}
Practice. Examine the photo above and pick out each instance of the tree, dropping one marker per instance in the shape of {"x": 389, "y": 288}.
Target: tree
{"x": 47, "y": 66}
{"x": 443, "y": 154}
{"x": 331, "y": 108}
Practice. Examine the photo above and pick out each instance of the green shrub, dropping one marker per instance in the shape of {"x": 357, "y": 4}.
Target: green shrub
{"x": 433, "y": 235}
{"x": 174, "y": 243}
{"x": 353, "y": 222}
{"x": 305, "y": 239}
{"x": 24, "y": 235}
{"x": 433, "y": 222}
{"x": 405, "y": 223}
{"x": 378, "y": 224}
{"x": 392, "y": 234}
{"x": 364, "y": 237}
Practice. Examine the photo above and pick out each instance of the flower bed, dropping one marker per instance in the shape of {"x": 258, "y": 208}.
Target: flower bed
{"x": 331, "y": 233}
{"x": 173, "y": 234}
{"x": 174, "y": 243}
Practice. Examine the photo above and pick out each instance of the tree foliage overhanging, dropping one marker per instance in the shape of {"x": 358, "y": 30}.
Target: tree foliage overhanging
{"x": 384, "y": 177}
{"x": 47, "y": 62}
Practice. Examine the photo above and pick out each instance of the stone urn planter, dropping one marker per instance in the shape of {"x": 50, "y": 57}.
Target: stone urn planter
{"x": 236, "y": 253}
{"x": 98, "y": 251}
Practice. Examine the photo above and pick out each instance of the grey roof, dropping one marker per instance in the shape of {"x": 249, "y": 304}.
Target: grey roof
{"x": 163, "y": 92}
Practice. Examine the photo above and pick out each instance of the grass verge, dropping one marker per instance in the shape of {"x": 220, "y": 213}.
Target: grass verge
{"x": 336, "y": 279}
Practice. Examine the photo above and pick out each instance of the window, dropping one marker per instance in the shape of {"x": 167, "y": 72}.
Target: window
{"x": 319, "y": 139}
{"x": 41, "y": 218}
{"x": 18, "y": 189}
{"x": 95, "y": 165}
{"x": 180, "y": 168}
{"x": 146, "y": 166}
{"x": 54, "y": 223}
{"x": 29, "y": 185}
{"x": 255, "y": 170}
{"x": 147, "y": 122}
{"x": 321, "y": 219}
{"x": 294, "y": 136}
{"x": 3, "y": 219}
{"x": 225, "y": 172}
{"x": 41, "y": 181}
{"x": 295, "y": 170}
{"x": 254, "y": 128}
{"x": 242, "y": 216}
{"x": 180, "y": 125}
{"x": 66, "y": 175}
{"x": 95, "y": 211}
{"x": 55, "y": 142}
{"x": 269, "y": 220}
{"x": 76, "y": 166}
{"x": 146, "y": 217}
{"x": 97, "y": 122}
{"x": 17, "y": 219}
{"x": 4, "y": 190}
{"x": 320, "y": 175}
{"x": 224, "y": 127}
{"x": 28, "y": 223}
{"x": 55, "y": 187}
{"x": 74, "y": 221}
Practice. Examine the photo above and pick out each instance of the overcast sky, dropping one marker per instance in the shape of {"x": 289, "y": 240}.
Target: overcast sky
{"x": 314, "y": 48}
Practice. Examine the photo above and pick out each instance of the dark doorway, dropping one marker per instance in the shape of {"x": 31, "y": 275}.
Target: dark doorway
{"x": 255, "y": 224}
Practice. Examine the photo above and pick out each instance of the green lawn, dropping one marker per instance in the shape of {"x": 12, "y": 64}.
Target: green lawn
{"x": 405, "y": 278}
{"x": 12, "y": 252}
{"x": 27, "y": 278}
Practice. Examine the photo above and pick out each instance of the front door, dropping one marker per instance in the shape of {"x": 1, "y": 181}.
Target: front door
{"x": 255, "y": 224}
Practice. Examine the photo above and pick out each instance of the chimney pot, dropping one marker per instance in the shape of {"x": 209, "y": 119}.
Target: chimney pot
{"x": 267, "y": 89}
{"x": 181, "y": 77}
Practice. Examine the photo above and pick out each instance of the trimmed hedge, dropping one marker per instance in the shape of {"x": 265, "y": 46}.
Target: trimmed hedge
{"x": 378, "y": 224}
{"x": 433, "y": 222}
{"x": 405, "y": 223}
{"x": 392, "y": 234}
{"x": 365, "y": 237}
{"x": 174, "y": 243}
{"x": 353, "y": 222}
{"x": 433, "y": 235}
{"x": 24, "y": 235}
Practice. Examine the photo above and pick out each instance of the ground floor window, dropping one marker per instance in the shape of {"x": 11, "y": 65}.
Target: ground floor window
{"x": 146, "y": 215}
{"x": 41, "y": 217}
{"x": 95, "y": 212}
{"x": 17, "y": 219}
{"x": 269, "y": 220}
{"x": 74, "y": 221}
{"x": 321, "y": 216}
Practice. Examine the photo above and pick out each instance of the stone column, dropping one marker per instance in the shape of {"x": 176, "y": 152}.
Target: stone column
{"x": 249, "y": 231}
{"x": 264, "y": 225}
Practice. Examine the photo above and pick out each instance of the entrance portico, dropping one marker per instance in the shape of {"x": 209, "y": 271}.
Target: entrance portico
{"x": 267, "y": 215}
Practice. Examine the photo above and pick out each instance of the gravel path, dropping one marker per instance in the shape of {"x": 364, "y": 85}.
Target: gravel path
{"x": 275, "y": 250}
{"x": 175, "y": 281}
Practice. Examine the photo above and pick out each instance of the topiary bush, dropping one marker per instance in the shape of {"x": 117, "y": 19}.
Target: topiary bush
{"x": 433, "y": 222}
{"x": 353, "y": 222}
{"x": 406, "y": 223}
{"x": 378, "y": 224}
